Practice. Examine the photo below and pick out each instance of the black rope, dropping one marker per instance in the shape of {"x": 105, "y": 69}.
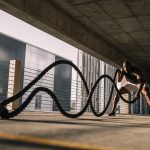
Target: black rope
{"x": 4, "y": 113}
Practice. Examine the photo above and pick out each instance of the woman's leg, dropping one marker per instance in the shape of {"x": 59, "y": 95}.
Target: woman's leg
{"x": 123, "y": 90}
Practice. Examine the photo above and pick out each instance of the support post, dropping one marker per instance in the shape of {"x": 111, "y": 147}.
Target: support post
{"x": 14, "y": 82}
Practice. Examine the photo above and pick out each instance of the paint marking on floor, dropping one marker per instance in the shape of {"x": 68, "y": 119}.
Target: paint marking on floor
{"x": 51, "y": 142}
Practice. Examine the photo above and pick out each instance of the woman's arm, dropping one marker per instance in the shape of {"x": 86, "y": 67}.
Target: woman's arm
{"x": 138, "y": 74}
{"x": 120, "y": 75}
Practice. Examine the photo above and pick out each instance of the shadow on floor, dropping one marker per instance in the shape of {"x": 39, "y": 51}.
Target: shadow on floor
{"x": 111, "y": 122}
{"x": 23, "y": 145}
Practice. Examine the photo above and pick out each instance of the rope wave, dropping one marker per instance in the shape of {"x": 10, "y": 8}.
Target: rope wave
{"x": 5, "y": 114}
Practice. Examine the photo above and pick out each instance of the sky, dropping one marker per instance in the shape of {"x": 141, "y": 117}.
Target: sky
{"x": 22, "y": 31}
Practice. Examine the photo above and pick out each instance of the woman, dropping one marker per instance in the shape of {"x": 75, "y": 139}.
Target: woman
{"x": 132, "y": 80}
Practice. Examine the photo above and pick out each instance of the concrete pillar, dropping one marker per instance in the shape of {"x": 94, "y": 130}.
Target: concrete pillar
{"x": 14, "y": 82}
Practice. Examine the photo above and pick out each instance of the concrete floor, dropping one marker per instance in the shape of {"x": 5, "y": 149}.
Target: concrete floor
{"x": 32, "y": 130}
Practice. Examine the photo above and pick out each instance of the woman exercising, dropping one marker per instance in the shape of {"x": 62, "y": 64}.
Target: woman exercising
{"x": 132, "y": 80}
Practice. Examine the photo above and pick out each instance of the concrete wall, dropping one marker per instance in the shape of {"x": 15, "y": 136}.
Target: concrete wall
{"x": 36, "y": 60}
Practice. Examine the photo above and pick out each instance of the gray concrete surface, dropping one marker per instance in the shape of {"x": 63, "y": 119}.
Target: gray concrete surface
{"x": 50, "y": 18}
{"x": 126, "y": 132}
{"x": 112, "y": 30}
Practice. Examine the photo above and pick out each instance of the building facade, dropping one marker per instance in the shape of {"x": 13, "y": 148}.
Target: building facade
{"x": 67, "y": 86}
{"x": 33, "y": 61}
{"x": 92, "y": 68}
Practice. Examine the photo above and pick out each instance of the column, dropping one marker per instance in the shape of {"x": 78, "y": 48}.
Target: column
{"x": 14, "y": 82}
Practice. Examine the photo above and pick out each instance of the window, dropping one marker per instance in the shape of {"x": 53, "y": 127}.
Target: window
{"x": 38, "y": 100}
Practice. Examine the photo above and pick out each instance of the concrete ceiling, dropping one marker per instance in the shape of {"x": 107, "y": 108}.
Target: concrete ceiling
{"x": 112, "y": 30}
{"x": 124, "y": 23}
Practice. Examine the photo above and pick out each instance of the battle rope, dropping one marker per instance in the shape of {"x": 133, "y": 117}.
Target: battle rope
{"x": 4, "y": 113}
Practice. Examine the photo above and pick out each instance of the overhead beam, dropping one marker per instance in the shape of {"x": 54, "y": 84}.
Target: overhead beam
{"x": 51, "y": 19}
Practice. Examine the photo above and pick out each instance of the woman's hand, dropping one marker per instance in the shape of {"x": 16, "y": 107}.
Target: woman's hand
{"x": 137, "y": 95}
